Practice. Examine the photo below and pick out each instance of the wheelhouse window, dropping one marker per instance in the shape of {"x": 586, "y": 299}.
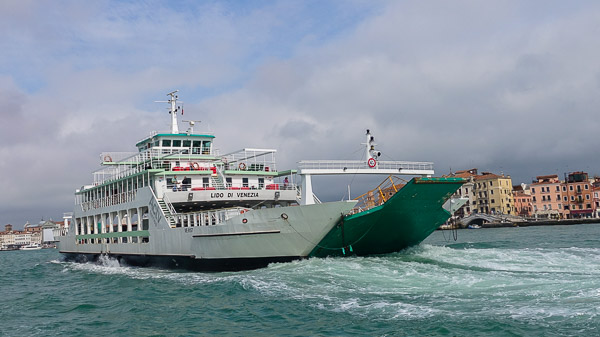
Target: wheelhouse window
{"x": 176, "y": 143}
{"x": 166, "y": 143}
{"x": 206, "y": 147}
{"x": 197, "y": 147}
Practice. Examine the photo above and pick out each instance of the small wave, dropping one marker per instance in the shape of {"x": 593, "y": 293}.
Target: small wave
{"x": 82, "y": 307}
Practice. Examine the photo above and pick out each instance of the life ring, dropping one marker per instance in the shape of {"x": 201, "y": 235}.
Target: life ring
{"x": 371, "y": 162}
{"x": 242, "y": 166}
{"x": 107, "y": 158}
{"x": 195, "y": 166}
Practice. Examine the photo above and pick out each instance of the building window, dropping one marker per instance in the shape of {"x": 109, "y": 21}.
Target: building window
{"x": 533, "y": 198}
{"x": 585, "y": 186}
{"x": 564, "y": 188}
{"x": 533, "y": 190}
{"x": 588, "y": 206}
{"x": 587, "y": 197}
{"x": 571, "y": 188}
{"x": 572, "y": 198}
{"x": 564, "y": 198}
{"x": 559, "y": 206}
{"x": 558, "y": 197}
{"x": 557, "y": 188}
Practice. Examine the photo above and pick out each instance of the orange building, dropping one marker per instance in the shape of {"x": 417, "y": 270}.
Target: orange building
{"x": 546, "y": 197}
{"x": 596, "y": 196}
{"x": 578, "y": 196}
{"x": 523, "y": 205}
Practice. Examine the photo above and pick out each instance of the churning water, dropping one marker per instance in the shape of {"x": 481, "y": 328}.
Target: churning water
{"x": 534, "y": 281}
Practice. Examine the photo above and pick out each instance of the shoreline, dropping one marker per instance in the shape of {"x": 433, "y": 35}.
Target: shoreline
{"x": 535, "y": 223}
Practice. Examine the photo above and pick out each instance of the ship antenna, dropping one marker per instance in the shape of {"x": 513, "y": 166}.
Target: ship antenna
{"x": 370, "y": 144}
{"x": 173, "y": 110}
{"x": 190, "y": 130}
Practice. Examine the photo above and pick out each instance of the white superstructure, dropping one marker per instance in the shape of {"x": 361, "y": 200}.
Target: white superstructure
{"x": 177, "y": 201}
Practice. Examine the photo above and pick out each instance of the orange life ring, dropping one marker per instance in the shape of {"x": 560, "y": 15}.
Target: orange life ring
{"x": 371, "y": 162}
{"x": 242, "y": 166}
{"x": 107, "y": 158}
{"x": 195, "y": 166}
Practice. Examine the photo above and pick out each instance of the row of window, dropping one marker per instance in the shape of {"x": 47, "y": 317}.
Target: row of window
{"x": 544, "y": 198}
{"x": 548, "y": 207}
{"x": 564, "y": 188}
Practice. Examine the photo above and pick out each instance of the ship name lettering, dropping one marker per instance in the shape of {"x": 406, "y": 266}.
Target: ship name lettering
{"x": 247, "y": 195}
{"x": 216, "y": 195}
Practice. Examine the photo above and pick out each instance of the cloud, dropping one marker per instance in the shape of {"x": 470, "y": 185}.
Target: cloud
{"x": 505, "y": 86}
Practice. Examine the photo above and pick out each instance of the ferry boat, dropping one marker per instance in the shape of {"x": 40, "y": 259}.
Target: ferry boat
{"x": 31, "y": 246}
{"x": 178, "y": 203}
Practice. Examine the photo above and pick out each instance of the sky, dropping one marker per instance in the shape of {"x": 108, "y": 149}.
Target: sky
{"x": 507, "y": 86}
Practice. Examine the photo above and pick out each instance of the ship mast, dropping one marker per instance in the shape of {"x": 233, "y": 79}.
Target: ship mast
{"x": 372, "y": 154}
{"x": 173, "y": 110}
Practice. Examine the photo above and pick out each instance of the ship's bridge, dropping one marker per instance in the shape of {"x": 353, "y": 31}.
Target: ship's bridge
{"x": 167, "y": 143}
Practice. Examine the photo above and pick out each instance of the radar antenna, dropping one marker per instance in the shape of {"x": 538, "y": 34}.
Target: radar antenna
{"x": 190, "y": 130}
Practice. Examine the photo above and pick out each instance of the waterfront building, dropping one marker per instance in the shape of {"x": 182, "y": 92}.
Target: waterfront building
{"x": 22, "y": 238}
{"x": 578, "y": 196}
{"x": 493, "y": 194}
{"x": 7, "y": 238}
{"x": 547, "y": 198}
{"x": 522, "y": 197}
{"x": 488, "y": 193}
{"x": 596, "y": 197}
{"x": 465, "y": 191}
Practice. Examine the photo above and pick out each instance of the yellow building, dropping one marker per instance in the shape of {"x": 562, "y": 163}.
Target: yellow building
{"x": 492, "y": 194}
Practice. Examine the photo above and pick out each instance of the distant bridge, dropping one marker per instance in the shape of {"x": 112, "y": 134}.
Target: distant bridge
{"x": 480, "y": 218}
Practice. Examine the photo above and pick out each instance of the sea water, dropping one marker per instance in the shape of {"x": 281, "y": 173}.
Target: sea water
{"x": 531, "y": 281}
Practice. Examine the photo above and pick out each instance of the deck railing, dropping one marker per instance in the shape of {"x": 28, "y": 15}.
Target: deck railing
{"x": 361, "y": 164}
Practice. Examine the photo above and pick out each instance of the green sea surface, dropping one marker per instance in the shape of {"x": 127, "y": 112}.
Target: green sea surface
{"x": 530, "y": 281}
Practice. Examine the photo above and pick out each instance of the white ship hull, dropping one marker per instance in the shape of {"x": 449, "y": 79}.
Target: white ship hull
{"x": 249, "y": 240}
